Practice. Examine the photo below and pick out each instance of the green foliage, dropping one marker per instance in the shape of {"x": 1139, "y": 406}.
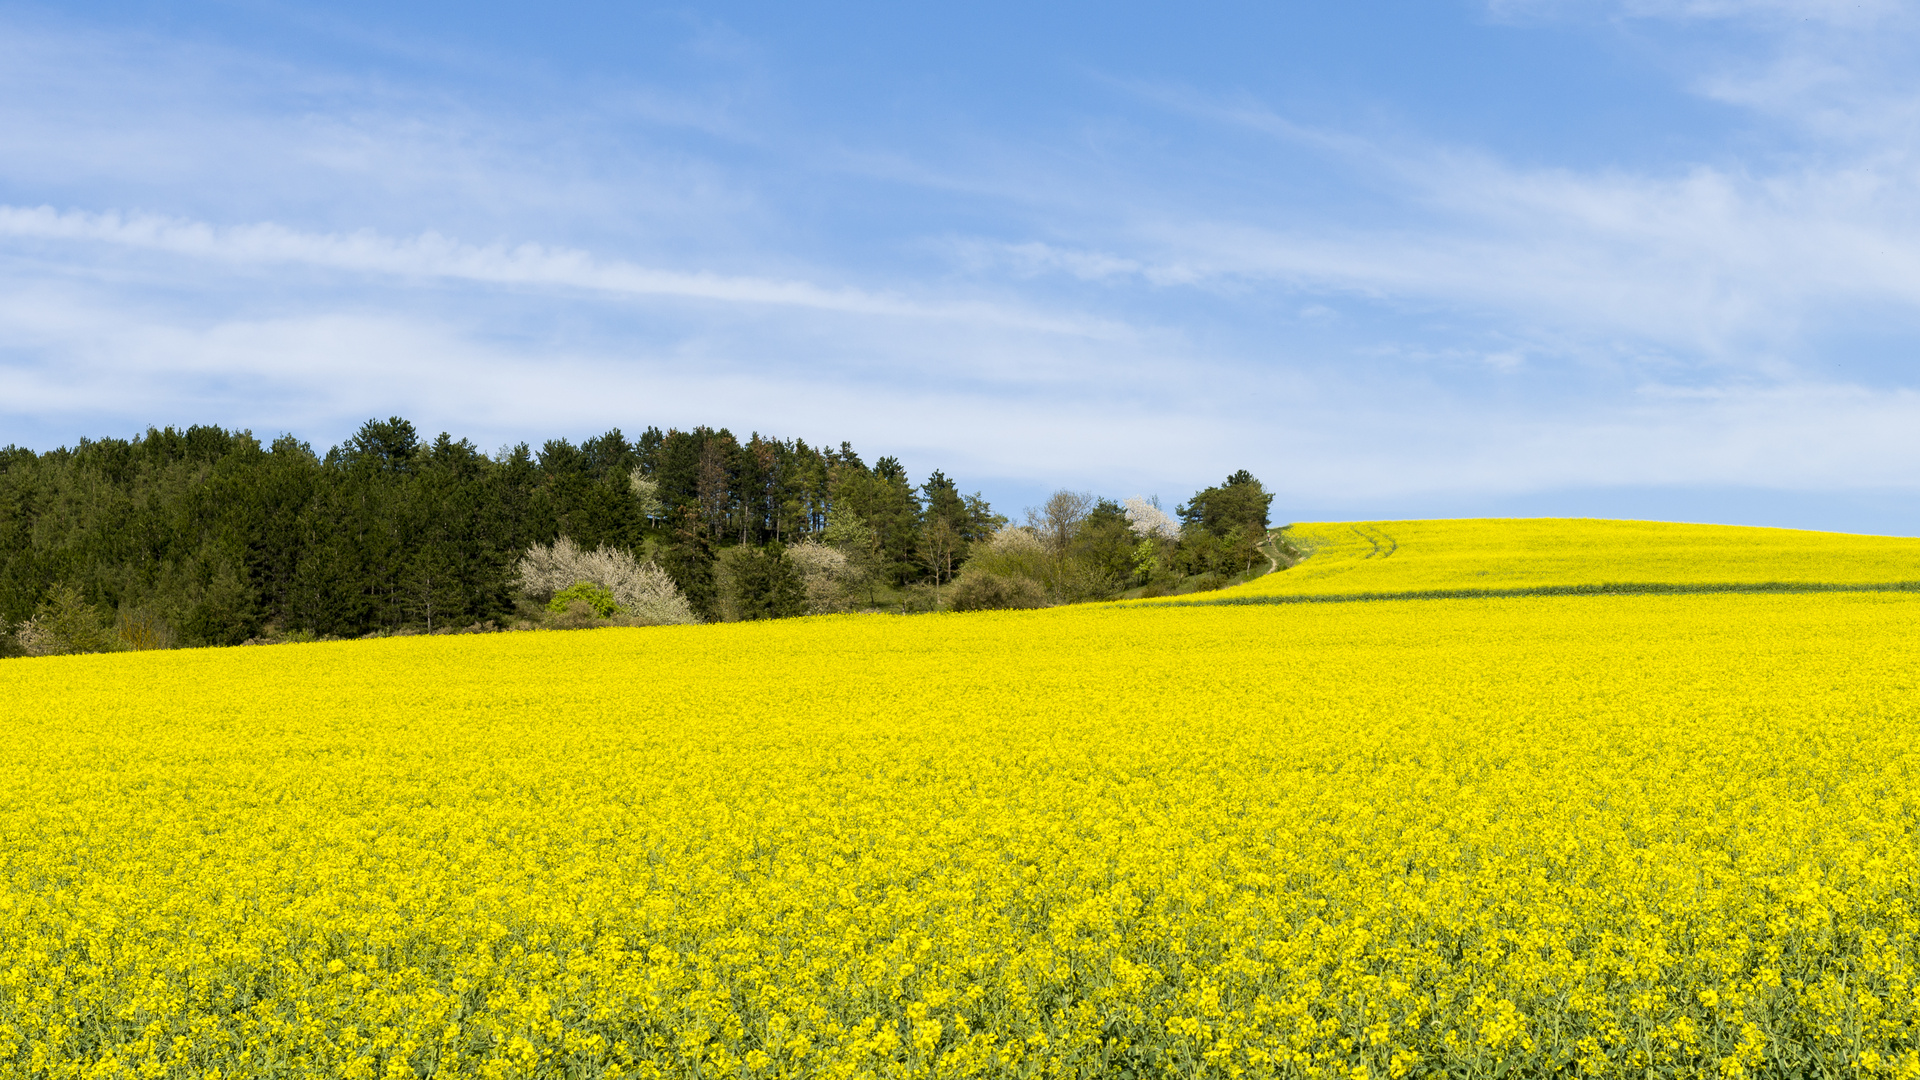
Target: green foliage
{"x": 759, "y": 583}
{"x": 1223, "y": 555}
{"x": 891, "y": 510}
{"x": 66, "y": 623}
{"x": 214, "y": 538}
{"x": 950, "y": 525}
{"x": 848, "y": 532}
{"x": 207, "y": 537}
{"x": 1240, "y": 503}
{"x": 1102, "y": 551}
{"x": 1075, "y": 548}
{"x": 1013, "y": 553}
{"x": 1147, "y": 560}
{"x": 979, "y": 589}
{"x": 689, "y": 560}
{"x": 596, "y": 597}
{"x": 646, "y": 496}
{"x": 1224, "y": 528}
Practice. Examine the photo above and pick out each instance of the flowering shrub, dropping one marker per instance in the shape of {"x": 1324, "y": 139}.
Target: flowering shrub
{"x": 641, "y": 590}
{"x": 827, "y": 575}
{"x": 1149, "y": 521}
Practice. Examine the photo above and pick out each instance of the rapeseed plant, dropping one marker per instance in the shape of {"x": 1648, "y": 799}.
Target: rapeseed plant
{"x": 1547, "y": 553}
{"x": 1640, "y": 835}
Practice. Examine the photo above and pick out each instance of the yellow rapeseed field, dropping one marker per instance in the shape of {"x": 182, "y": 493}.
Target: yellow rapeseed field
{"x": 1524, "y": 553}
{"x": 1610, "y": 835}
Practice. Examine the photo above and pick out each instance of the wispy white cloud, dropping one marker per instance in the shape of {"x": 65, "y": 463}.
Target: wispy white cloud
{"x": 1738, "y": 261}
{"x": 75, "y": 358}
{"x": 1832, "y": 12}
{"x": 1785, "y": 436}
{"x": 1111, "y": 324}
{"x": 1328, "y": 438}
{"x": 1729, "y": 265}
{"x": 1772, "y": 12}
{"x": 121, "y": 117}
{"x": 433, "y": 256}
{"x": 1842, "y": 72}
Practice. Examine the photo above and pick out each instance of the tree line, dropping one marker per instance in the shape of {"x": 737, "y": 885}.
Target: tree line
{"x": 210, "y": 537}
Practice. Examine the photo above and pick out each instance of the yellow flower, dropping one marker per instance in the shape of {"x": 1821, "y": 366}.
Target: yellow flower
{"x": 1645, "y": 834}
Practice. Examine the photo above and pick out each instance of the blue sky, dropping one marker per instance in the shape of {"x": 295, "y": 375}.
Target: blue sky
{"x": 1648, "y": 258}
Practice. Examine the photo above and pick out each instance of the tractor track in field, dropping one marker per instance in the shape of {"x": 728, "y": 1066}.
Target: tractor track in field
{"x": 1375, "y": 537}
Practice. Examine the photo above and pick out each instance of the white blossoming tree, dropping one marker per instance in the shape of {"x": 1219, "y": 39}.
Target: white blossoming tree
{"x": 643, "y": 590}
{"x": 1149, "y": 520}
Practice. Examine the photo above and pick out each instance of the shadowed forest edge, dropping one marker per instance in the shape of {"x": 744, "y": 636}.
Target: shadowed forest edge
{"x": 206, "y": 537}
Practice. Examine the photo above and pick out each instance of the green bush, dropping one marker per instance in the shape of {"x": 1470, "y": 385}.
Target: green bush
{"x": 981, "y": 590}
{"x": 141, "y": 628}
{"x": 758, "y": 583}
{"x": 66, "y": 623}
{"x": 597, "y": 597}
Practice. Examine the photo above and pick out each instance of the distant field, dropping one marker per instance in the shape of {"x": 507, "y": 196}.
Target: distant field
{"x": 1529, "y": 553}
{"x": 1592, "y": 835}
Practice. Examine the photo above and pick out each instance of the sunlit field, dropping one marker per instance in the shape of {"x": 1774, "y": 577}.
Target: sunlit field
{"x": 1594, "y": 835}
{"x": 1526, "y": 553}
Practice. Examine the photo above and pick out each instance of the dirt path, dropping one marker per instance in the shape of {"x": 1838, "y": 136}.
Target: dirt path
{"x": 1267, "y": 547}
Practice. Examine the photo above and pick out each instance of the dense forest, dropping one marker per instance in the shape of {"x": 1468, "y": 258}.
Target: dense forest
{"x": 207, "y": 537}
